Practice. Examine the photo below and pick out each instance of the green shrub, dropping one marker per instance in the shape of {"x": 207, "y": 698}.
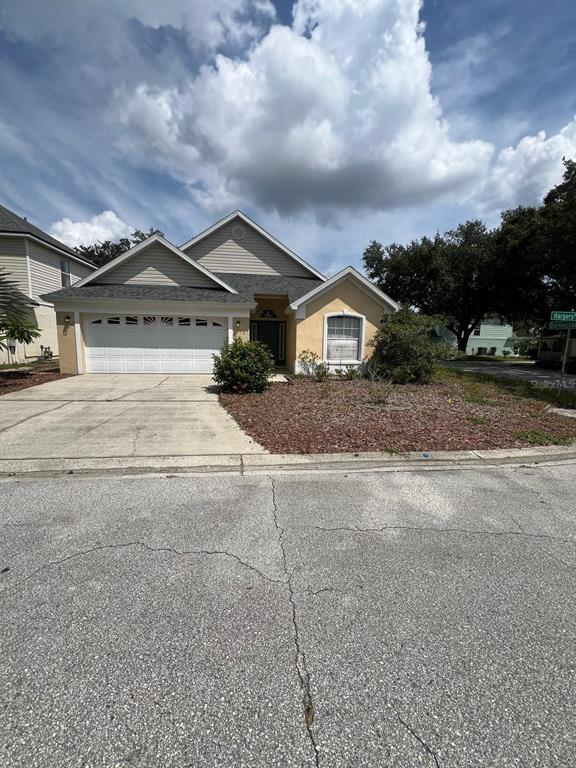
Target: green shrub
{"x": 243, "y": 366}
{"x": 404, "y": 351}
{"x": 350, "y": 373}
{"x": 321, "y": 372}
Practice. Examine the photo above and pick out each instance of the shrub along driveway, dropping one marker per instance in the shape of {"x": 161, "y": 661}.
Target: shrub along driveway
{"x": 452, "y": 413}
{"x": 111, "y": 416}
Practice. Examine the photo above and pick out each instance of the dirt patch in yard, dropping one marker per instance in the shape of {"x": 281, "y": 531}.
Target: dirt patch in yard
{"x": 353, "y": 416}
{"x": 12, "y": 381}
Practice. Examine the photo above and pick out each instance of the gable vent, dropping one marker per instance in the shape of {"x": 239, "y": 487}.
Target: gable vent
{"x": 238, "y": 232}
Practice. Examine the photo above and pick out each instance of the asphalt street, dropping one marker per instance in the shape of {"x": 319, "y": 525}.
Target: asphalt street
{"x": 371, "y": 619}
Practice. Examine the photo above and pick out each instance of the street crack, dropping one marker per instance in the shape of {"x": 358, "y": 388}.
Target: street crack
{"x": 172, "y": 550}
{"x": 300, "y": 656}
{"x": 420, "y": 740}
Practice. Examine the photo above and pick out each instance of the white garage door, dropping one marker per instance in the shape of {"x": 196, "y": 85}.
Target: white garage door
{"x": 152, "y": 343}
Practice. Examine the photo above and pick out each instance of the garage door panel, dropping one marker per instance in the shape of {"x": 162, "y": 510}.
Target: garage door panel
{"x": 152, "y": 345}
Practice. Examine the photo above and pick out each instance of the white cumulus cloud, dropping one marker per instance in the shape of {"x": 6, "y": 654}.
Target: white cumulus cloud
{"x": 522, "y": 175}
{"x": 103, "y": 226}
{"x": 333, "y": 112}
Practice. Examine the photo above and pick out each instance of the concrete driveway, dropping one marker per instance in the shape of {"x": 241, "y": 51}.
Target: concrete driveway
{"x": 109, "y": 416}
{"x": 335, "y": 620}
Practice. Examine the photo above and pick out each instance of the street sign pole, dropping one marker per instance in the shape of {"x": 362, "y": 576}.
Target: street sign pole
{"x": 566, "y": 347}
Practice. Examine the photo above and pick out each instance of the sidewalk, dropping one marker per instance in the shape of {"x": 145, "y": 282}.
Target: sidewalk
{"x": 246, "y": 464}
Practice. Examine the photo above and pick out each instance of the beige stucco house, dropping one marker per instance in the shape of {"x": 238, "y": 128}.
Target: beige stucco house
{"x": 36, "y": 263}
{"x": 159, "y": 308}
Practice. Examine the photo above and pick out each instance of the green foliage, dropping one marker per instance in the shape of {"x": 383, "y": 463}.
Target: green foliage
{"x": 13, "y": 303}
{"x": 452, "y": 275}
{"x": 350, "y": 373}
{"x": 101, "y": 253}
{"x": 21, "y": 330}
{"x": 243, "y": 366}
{"x": 403, "y": 349}
{"x": 308, "y": 362}
{"x": 536, "y": 437}
{"x": 321, "y": 372}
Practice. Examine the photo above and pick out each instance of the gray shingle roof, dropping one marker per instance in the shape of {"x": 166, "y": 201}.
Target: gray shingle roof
{"x": 11, "y": 222}
{"x": 245, "y": 285}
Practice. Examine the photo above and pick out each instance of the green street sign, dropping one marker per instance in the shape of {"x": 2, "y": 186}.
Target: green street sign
{"x": 566, "y": 317}
{"x": 561, "y": 325}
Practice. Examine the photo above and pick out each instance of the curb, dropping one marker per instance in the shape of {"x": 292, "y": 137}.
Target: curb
{"x": 255, "y": 464}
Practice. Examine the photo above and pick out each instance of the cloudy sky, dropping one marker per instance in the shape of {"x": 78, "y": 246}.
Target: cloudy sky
{"x": 330, "y": 122}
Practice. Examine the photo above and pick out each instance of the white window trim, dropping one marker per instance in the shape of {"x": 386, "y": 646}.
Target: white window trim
{"x": 339, "y": 363}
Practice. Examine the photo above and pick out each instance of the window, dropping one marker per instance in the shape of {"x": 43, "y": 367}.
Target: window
{"x": 65, "y": 273}
{"x": 131, "y": 320}
{"x": 268, "y": 314}
{"x": 166, "y": 321}
{"x": 217, "y": 325}
{"x": 149, "y": 320}
{"x": 476, "y": 331}
{"x": 97, "y": 322}
{"x": 113, "y": 321}
{"x": 184, "y": 322}
{"x": 343, "y": 338}
{"x": 202, "y": 322}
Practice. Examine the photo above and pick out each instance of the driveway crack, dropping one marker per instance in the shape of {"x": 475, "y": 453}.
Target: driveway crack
{"x": 136, "y": 391}
{"x": 34, "y": 416}
{"x": 172, "y": 550}
{"x": 300, "y": 656}
{"x": 420, "y": 740}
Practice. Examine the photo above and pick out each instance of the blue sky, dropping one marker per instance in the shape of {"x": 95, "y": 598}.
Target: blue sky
{"x": 330, "y": 122}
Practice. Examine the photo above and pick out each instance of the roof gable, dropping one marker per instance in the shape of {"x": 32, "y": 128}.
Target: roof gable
{"x": 236, "y": 244}
{"x": 348, "y": 273}
{"x": 155, "y": 261}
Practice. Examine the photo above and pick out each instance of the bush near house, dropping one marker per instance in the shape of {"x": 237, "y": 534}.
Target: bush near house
{"x": 404, "y": 351}
{"x": 243, "y": 366}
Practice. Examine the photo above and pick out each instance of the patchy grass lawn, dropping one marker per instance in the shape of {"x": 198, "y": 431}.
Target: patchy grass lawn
{"x": 452, "y": 413}
{"x": 12, "y": 381}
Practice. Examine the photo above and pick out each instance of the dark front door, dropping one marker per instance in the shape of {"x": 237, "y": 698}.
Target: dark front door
{"x": 273, "y": 334}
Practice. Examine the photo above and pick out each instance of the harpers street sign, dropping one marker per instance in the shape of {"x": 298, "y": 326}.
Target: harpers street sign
{"x": 563, "y": 317}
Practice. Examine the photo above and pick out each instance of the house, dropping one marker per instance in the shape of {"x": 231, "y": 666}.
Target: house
{"x": 37, "y": 263}
{"x": 491, "y": 337}
{"x": 159, "y": 308}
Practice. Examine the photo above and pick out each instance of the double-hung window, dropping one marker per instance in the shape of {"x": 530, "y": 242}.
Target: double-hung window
{"x": 343, "y": 336}
{"x": 65, "y": 273}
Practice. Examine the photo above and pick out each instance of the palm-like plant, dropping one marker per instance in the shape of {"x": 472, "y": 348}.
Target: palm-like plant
{"x": 14, "y": 321}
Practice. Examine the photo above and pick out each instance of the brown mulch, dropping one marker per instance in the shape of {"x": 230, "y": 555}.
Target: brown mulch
{"x": 346, "y": 416}
{"x": 12, "y": 381}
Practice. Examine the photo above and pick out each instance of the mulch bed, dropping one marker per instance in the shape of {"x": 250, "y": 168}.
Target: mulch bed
{"x": 12, "y": 381}
{"x": 349, "y": 416}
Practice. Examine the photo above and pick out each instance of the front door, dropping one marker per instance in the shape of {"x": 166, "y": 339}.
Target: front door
{"x": 273, "y": 334}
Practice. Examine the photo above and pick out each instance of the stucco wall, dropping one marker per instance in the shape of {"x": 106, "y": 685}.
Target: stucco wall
{"x": 45, "y": 318}
{"x": 242, "y": 330}
{"x": 345, "y": 296}
{"x": 66, "y": 344}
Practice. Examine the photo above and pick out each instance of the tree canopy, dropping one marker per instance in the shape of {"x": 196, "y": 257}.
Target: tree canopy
{"x": 102, "y": 252}
{"x": 519, "y": 271}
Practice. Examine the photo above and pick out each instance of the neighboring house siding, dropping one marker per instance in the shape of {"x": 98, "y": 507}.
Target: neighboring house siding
{"x": 44, "y": 269}
{"x": 13, "y": 260}
{"x": 78, "y": 272}
{"x": 221, "y": 252}
{"x": 156, "y": 265}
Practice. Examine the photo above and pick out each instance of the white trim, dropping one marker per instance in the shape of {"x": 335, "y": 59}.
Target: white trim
{"x": 29, "y": 271}
{"x": 340, "y": 363}
{"x": 230, "y": 329}
{"x": 260, "y": 231}
{"x": 48, "y": 245}
{"x": 142, "y": 246}
{"x": 77, "y": 332}
{"x": 338, "y": 277}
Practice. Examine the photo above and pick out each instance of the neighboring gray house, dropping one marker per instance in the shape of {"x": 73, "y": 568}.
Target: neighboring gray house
{"x": 38, "y": 264}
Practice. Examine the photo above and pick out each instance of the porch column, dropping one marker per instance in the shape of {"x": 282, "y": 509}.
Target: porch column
{"x": 79, "y": 360}
{"x": 230, "y": 329}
